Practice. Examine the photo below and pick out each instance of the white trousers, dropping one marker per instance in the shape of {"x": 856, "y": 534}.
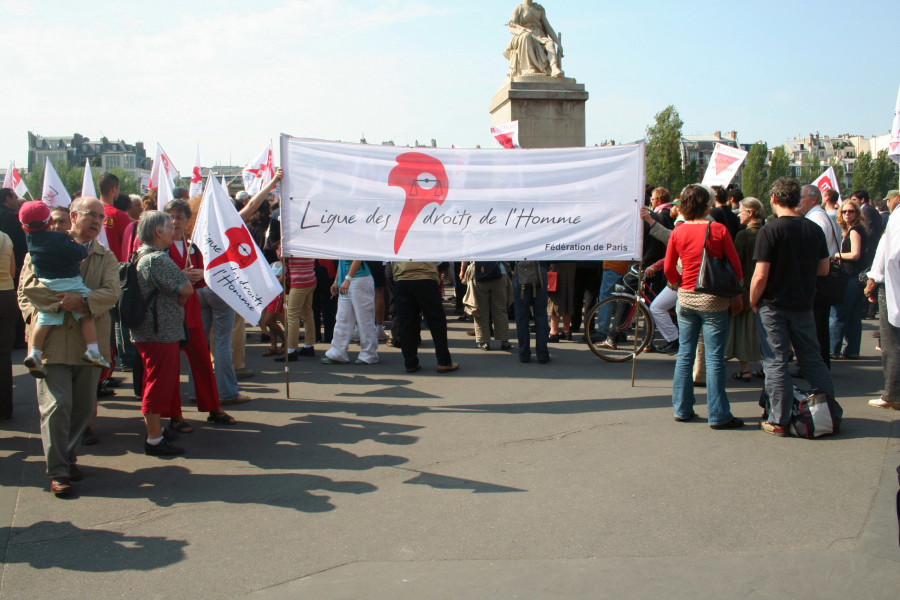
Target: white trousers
{"x": 660, "y": 311}
{"x": 357, "y": 307}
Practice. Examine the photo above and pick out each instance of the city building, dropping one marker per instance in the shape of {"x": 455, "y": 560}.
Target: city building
{"x": 103, "y": 154}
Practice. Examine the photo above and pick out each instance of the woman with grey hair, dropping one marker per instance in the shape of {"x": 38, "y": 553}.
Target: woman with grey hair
{"x": 189, "y": 259}
{"x": 743, "y": 335}
{"x": 158, "y": 337}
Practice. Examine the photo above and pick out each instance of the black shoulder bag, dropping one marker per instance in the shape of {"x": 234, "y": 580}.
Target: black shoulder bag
{"x": 717, "y": 276}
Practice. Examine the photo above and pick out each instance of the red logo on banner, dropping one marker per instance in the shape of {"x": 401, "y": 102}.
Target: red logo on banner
{"x": 505, "y": 140}
{"x": 425, "y": 181}
{"x": 825, "y": 184}
{"x": 241, "y": 249}
{"x": 723, "y": 161}
{"x": 196, "y": 177}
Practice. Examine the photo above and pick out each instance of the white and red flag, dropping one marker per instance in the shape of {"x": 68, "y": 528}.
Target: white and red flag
{"x": 162, "y": 159}
{"x": 89, "y": 191}
{"x": 166, "y": 190}
{"x": 54, "y": 193}
{"x": 196, "y": 178}
{"x": 894, "y": 143}
{"x": 828, "y": 181}
{"x": 506, "y": 135}
{"x": 260, "y": 171}
{"x": 13, "y": 180}
{"x": 723, "y": 165}
{"x": 87, "y": 183}
{"x": 235, "y": 268}
{"x": 369, "y": 202}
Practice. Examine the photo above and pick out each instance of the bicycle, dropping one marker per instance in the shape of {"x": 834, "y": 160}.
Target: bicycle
{"x": 613, "y": 324}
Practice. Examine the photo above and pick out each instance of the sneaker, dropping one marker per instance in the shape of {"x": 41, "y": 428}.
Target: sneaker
{"x": 483, "y": 345}
{"x": 774, "y": 429}
{"x": 331, "y": 361}
{"x": 734, "y": 423}
{"x": 164, "y": 448}
{"x": 354, "y": 337}
{"x": 671, "y": 348}
{"x": 292, "y": 355}
{"x": 379, "y": 331}
{"x": 608, "y": 343}
{"x": 95, "y": 358}
{"x": 447, "y": 368}
{"x": 35, "y": 366}
{"x": 882, "y": 403}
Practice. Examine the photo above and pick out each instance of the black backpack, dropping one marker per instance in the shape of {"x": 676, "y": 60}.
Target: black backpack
{"x": 132, "y": 303}
{"x": 487, "y": 271}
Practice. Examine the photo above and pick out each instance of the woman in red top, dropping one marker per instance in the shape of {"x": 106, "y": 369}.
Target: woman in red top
{"x": 698, "y": 311}
{"x": 189, "y": 259}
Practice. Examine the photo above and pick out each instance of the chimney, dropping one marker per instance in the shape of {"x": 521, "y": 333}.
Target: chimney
{"x": 718, "y": 135}
{"x": 733, "y": 135}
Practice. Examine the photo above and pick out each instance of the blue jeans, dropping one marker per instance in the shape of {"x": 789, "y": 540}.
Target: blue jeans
{"x": 535, "y": 302}
{"x": 779, "y": 329}
{"x": 846, "y": 320}
{"x": 715, "y": 335}
{"x": 219, "y": 317}
{"x": 607, "y": 287}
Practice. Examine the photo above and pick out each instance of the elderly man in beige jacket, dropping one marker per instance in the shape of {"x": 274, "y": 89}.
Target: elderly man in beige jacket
{"x": 68, "y": 395}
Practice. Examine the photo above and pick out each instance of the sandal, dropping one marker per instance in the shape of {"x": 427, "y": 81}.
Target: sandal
{"x": 181, "y": 426}
{"x": 744, "y": 376}
{"x": 222, "y": 418}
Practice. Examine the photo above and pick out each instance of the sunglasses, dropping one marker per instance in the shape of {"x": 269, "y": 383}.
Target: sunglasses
{"x": 849, "y": 212}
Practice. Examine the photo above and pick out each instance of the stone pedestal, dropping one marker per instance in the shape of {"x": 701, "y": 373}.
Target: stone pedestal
{"x": 550, "y": 110}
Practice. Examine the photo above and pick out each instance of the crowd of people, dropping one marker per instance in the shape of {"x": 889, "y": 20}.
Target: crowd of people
{"x": 69, "y": 286}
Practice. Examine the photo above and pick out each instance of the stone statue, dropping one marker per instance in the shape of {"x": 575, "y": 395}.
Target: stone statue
{"x": 535, "y": 48}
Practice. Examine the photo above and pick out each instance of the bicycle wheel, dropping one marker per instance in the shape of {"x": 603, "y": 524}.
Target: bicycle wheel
{"x": 612, "y": 325}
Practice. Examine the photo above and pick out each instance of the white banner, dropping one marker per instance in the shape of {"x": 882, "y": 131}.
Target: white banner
{"x": 235, "y": 268}
{"x": 166, "y": 191}
{"x": 506, "y": 135}
{"x": 387, "y": 203}
{"x": 13, "y": 180}
{"x": 828, "y": 181}
{"x": 723, "y": 165}
{"x": 260, "y": 171}
{"x": 54, "y": 193}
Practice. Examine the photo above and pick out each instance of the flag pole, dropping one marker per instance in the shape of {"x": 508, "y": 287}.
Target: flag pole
{"x": 284, "y": 281}
{"x": 640, "y": 286}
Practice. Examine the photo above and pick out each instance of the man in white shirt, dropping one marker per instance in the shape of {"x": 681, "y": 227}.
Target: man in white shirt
{"x": 811, "y": 207}
{"x": 886, "y": 272}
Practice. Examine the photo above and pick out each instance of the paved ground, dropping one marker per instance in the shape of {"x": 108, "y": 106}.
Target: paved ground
{"x": 501, "y": 480}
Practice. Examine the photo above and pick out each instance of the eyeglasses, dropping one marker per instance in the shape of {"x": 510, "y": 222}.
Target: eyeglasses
{"x": 91, "y": 214}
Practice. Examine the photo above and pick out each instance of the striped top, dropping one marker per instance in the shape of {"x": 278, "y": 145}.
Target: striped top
{"x": 301, "y": 272}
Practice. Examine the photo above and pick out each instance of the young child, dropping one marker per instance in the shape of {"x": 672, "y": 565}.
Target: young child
{"x": 56, "y": 259}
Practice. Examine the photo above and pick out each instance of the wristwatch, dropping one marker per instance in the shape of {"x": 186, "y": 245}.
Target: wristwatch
{"x": 84, "y": 299}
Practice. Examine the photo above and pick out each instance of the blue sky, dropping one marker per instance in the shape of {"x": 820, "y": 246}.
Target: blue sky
{"x": 231, "y": 75}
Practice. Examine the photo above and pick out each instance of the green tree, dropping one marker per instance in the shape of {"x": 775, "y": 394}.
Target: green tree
{"x": 862, "y": 171}
{"x": 810, "y": 168}
{"x": 690, "y": 174}
{"x": 127, "y": 183}
{"x": 753, "y": 179}
{"x": 664, "y": 149}
{"x": 779, "y": 166}
{"x": 882, "y": 175}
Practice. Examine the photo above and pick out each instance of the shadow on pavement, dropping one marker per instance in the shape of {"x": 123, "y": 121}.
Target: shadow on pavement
{"x": 62, "y": 545}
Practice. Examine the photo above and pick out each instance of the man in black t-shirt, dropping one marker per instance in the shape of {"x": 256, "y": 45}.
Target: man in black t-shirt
{"x": 790, "y": 253}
